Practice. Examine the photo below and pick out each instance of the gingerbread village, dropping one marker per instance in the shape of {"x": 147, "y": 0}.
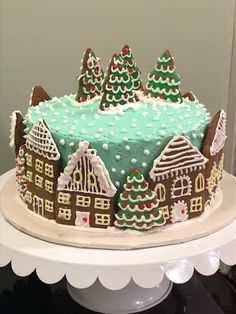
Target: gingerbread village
{"x": 182, "y": 180}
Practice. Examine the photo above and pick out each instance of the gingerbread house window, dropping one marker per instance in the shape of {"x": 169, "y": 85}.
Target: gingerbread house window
{"x": 49, "y": 170}
{"x": 160, "y": 191}
{"x": 199, "y": 183}
{"x": 38, "y": 181}
{"x": 102, "y": 219}
{"x": 49, "y": 206}
{"x": 64, "y": 213}
{"x": 91, "y": 180}
{"x": 83, "y": 201}
{"x": 77, "y": 176}
{"x": 28, "y": 197}
{"x": 102, "y": 203}
{"x": 63, "y": 198}
{"x": 29, "y": 176}
{"x": 196, "y": 204}
{"x": 181, "y": 187}
{"x": 165, "y": 211}
{"x": 29, "y": 161}
{"x": 38, "y": 165}
{"x": 49, "y": 186}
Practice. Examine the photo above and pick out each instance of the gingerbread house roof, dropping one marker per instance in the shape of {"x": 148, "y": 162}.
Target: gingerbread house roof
{"x": 178, "y": 155}
{"x": 41, "y": 142}
{"x": 88, "y": 158}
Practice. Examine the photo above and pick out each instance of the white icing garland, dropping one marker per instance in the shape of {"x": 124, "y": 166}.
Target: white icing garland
{"x": 13, "y": 128}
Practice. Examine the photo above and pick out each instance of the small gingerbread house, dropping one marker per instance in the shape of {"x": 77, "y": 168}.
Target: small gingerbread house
{"x": 42, "y": 170}
{"x": 178, "y": 178}
{"x": 213, "y": 150}
{"x": 85, "y": 191}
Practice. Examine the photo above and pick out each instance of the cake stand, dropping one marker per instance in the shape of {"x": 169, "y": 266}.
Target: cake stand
{"x": 117, "y": 281}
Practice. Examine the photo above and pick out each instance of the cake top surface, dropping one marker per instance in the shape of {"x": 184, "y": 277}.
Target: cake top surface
{"x": 123, "y": 140}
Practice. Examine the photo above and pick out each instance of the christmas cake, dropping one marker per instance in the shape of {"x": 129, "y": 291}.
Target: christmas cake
{"x": 118, "y": 153}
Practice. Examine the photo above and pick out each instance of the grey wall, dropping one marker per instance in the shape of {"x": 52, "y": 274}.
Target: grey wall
{"x": 42, "y": 43}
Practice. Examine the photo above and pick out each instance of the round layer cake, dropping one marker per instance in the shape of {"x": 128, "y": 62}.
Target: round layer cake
{"x": 132, "y": 139}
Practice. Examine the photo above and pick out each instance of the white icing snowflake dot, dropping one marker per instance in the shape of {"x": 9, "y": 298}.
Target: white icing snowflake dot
{"x": 105, "y": 146}
{"x": 118, "y": 157}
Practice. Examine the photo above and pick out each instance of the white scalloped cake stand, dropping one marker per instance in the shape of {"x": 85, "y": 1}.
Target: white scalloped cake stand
{"x": 118, "y": 281}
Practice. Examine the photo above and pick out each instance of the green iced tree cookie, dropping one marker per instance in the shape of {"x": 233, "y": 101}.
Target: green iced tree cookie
{"x": 133, "y": 70}
{"x": 118, "y": 86}
{"x": 91, "y": 77}
{"x": 163, "y": 81}
{"x": 138, "y": 205}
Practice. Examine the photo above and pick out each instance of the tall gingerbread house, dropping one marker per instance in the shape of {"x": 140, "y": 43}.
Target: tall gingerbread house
{"x": 85, "y": 191}
{"x": 42, "y": 170}
{"x": 178, "y": 178}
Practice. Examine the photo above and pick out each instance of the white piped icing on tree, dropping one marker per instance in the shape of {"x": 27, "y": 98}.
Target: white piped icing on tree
{"x": 179, "y": 155}
{"x": 41, "y": 141}
{"x": 220, "y": 134}
{"x": 86, "y": 159}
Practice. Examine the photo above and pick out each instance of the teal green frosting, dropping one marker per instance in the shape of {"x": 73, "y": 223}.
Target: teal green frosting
{"x": 123, "y": 142}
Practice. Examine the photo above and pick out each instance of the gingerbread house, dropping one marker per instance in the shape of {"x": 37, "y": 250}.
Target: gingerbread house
{"x": 213, "y": 150}
{"x": 178, "y": 178}
{"x": 85, "y": 191}
{"x": 42, "y": 170}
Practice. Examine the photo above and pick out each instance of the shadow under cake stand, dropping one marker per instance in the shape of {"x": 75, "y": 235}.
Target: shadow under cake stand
{"x": 121, "y": 281}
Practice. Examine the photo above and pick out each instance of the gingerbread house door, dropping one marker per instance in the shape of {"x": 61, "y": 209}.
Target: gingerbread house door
{"x": 38, "y": 205}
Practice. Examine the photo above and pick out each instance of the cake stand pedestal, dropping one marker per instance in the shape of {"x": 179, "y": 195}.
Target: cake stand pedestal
{"x": 116, "y": 281}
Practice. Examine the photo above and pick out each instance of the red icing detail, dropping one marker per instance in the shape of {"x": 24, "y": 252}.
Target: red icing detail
{"x": 123, "y": 204}
{"x": 135, "y": 171}
{"x": 125, "y": 195}
{"x": 182, "y": 211}
{"x": 85, "y": 219}
{"x": 114, "y": 66}
{"x": 130, "y": 71}
{"x": 141, "y": 206}
{"x": 173, "y": 89}
{"x": 171, "y": 67}
{"x": 158, "y": 66}
{"x": 162, "y": 97}
{"x": 82, "y": 99}
{"x": 153, "y": 213}
{"x": 129, "y": 186}
{"x": 171, "y": 78}
{"x": 149, "y": 205}
{"x": 166, "y": 89}
{"x": 129, "y": 222}
{"x": 119, "y": 67}
{"x": 145, "y": 184}
{"x": 132, "y": 206}
{"x": 125, "y": 51}
{"x": 164, "y": 77}
{"x": 164, "y": 66}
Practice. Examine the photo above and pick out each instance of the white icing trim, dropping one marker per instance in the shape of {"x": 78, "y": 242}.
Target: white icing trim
{"x": 84, "y": 153}
{"x": 176, "y": 215}
{"x": 220, "y": 135}
{"x": 119, "y": 109}
{"x": 160, "y": 102}
{"x": 163, "y": 164}
{"x": 13, "y": 128}
{"x": 45, "y": 145}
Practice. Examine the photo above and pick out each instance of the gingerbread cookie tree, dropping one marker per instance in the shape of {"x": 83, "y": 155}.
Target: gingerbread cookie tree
{"x": 163, "y": 81}
{"x": 118, "y": 86}
{"x": 133, "y": 70}
{"x": 138, "y": 205}
{"x": 91, "y": 77}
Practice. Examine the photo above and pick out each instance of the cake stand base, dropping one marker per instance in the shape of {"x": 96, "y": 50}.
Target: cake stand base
{"x": 131, "y": 299}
